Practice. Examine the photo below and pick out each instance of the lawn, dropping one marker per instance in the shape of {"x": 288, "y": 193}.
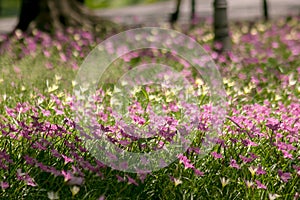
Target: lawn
{"x": 46, "y": 153}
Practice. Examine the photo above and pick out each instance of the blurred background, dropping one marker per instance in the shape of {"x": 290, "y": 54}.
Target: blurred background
{"x": 154, "y": 12}
{"x": 10, "y": 8}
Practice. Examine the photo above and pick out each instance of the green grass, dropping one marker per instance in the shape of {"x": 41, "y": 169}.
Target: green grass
{"x": 259, "y": 140}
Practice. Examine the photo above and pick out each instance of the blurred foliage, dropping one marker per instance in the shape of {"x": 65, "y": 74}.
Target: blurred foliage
{"x": 117, "y": 3}
{"x": 11, "y": 7}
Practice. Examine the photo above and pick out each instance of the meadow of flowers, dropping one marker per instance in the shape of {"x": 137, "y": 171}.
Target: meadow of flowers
{"x": 257, "y": 155}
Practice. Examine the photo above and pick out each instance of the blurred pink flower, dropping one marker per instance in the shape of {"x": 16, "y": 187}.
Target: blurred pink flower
{"x": 198, "y": 172}
{"x": 284, "y": 176}
{"x": 260, "y": 170}
{"x": 217, "y": 155}
{"x": 67, "y": 175}
{"x": 234, "y": 164}
{"x": 260, "y": 185}
{"x": 131, "y": 181}
{"x": 186, "y": 162}
{"x": 17, "y": 69}
{"x": 4, "y": 185}
{"x": 67, "y": 159}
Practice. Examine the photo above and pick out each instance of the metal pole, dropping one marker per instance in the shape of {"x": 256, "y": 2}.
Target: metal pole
{"x": 266, "y": 10}
{"x": 221, "y": 29}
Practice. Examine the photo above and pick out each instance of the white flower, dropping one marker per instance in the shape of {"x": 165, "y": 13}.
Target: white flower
{"x": 52, "y": 88}
{"x": 74, "y": 83}
{"x": 52, "y": 195}
{"x": 74, "y": 190}
{"x": 23, "y": 88}
{"x": 199, "y": 81}
{"x": 273, "y": 196}
{"x": 252, "y": 170}
{"x": 224, "y": 181}
{"x": 177, "y": 182}
{"x": 249, "y": 184}
{"x": 57, "y": 78}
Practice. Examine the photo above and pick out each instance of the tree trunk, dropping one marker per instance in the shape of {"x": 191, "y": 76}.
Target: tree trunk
{"x": 56, "y": 15}
{"x": 174, "y": 16}
{"x": 266, "y": 10}
{"x": 221, "y": 29}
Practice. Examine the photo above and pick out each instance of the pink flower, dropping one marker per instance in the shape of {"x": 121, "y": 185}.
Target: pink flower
{"x": 54, "y": 171}
{"x": 260, "y": 170}
{"x": 63, "y": 57}
{"x": 246, "y": 159}
{"x": 46, "y": 53}
{"x": 111, "y": 156}
{"x": 76, "y": 181}
{"x": 242, "y": 76}
{"x": 71, "y": 179}
{"x": 217, "y": 155}
{"x": 123, "y": 165}
{"x": 4, "y": 185}
{"x": 10, "y": 112}
{"x": 260, "y": 185}
{"x": 75, "y": 66}
{"x": 248, "y": 142}
{"x": 120, "y": 179}
{"x": 297, "y": 169}
{"x": 273, "y": 124}
{"x": 253, "y": 156}
{"x": 29, "y": 160}
{"x": 30, "y": 182}
{"x": 76, "y": 170}
{"x": 46, "y": 113}
{"x": 49, "y": 65}
{"x": 131, "y": 181}
{"x": 42, "y": 166}
{"x": 142, "y": 177}
{"x": 39, "y": 145}
{"x": 198, "y": 172}
{"x": 138, "y": 119}
{"x": 67, "y": 175}
{"x": 55, "y": 153}
{"x": 25, "y": 177}
{"x": 17, "y": 69}
{"x": 102, "y": 197}
{"x": 234, "y": 164}
{"x": 284, "y": 176}
{"x": 173, "y": 107}
{"x": 59, "y": 112}
{"x": 183, "y": 159}
{"x": 67, "y": 159}
{"x": 297, "y": 195}
{"x": 286, "y": 154}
